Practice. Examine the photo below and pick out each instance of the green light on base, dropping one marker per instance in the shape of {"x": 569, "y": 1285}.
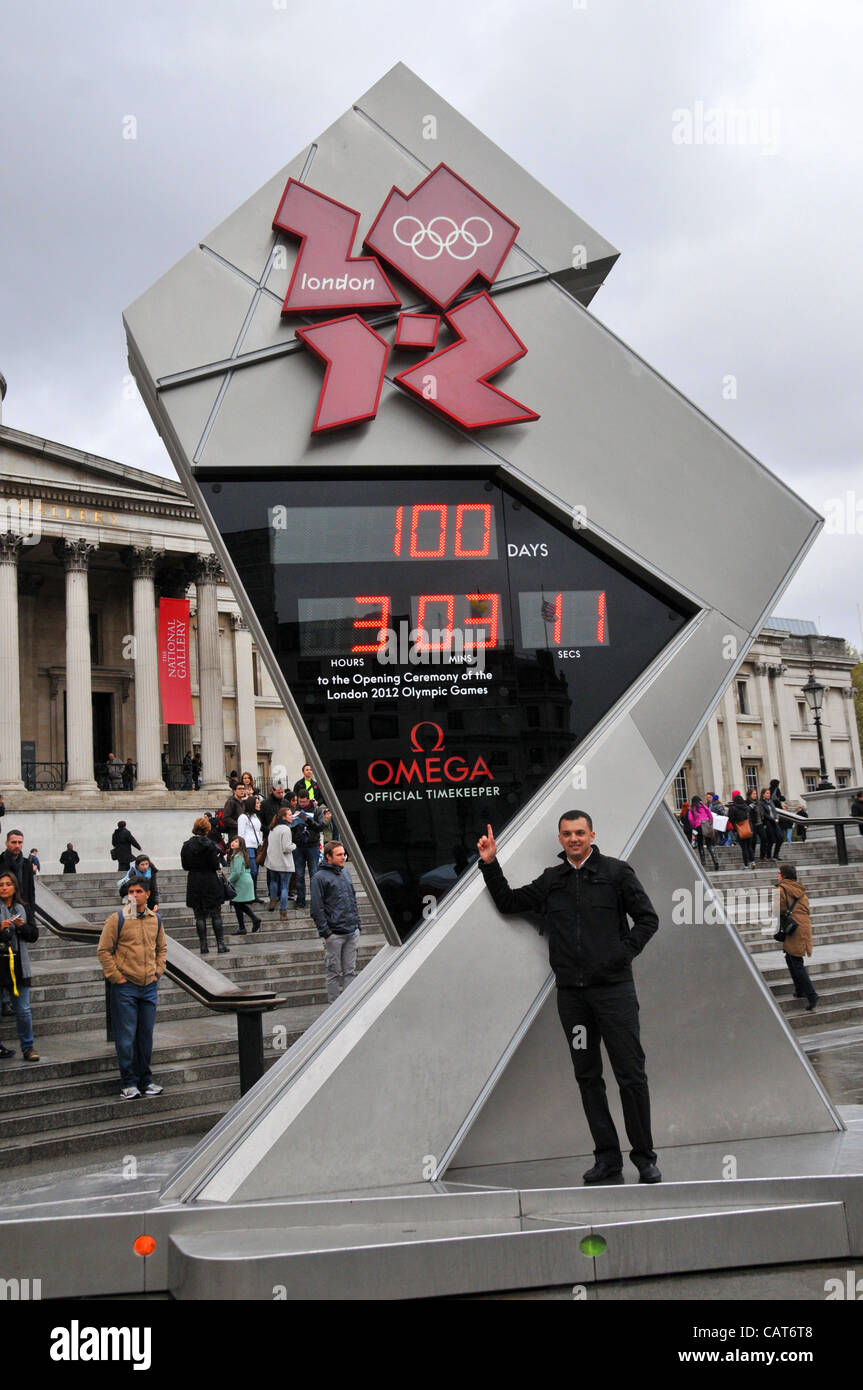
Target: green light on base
{"x": 592, "y": 1245}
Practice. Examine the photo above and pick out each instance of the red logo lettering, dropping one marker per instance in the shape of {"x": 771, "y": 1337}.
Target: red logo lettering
{"x": 326, "y": 275}
{"x": 356, "y": 357}
{"x": 454, "y": 381}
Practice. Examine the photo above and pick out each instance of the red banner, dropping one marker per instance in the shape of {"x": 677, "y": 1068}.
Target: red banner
{"x": 175, "y": 678}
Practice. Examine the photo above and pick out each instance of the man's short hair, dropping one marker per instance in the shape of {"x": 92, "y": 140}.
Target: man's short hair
{"x": 10, "y": 833}
{"x": 574, "y": 815}
{"x": 787, "y": 871}
{"x": 330, "y": 846}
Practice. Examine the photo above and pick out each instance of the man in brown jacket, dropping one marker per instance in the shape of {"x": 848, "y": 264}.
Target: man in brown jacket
{"x": 132, "y": 952}
{"x": 793, "y": 899}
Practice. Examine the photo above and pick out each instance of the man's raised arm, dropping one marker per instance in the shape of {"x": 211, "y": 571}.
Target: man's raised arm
{"x": 531, "y": 898}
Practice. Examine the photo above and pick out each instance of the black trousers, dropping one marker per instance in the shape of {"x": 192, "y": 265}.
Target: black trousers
{"x": 803, "y": 986}
{"x": 609, "y": 1013}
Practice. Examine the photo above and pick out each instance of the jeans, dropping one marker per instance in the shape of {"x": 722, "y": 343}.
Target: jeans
{"x": 340, "y": 959}
{"x": 279, "y": 883}
{"x": 609, "y": 1013}
{"x": 305, "y": 854}
{"x": 133, "y": 1014}
{"x": 21, "y": 1008}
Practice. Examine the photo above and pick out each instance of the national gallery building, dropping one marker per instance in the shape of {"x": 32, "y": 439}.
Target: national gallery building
{"x": 87, "y": 548}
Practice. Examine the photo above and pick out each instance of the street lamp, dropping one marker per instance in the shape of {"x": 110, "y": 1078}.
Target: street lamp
{"x": 814, "y": 693}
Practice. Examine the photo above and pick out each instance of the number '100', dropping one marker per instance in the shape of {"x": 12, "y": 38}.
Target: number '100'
{"x": 485, "y": 613}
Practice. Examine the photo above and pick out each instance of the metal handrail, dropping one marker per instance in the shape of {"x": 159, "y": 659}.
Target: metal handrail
{"x": 838, "y": 822}
{"x": 197, "y": 977}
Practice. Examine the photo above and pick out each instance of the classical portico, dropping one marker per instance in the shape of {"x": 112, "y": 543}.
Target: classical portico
{"x": 88, "y": 547}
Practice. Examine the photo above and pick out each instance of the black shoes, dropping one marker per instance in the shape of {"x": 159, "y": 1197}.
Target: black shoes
{"x": 602, "y": 1173}
{"x": 241, "y": 931}
{"x": 812, "y": 1002}
{"x": 6, "y": 1052}
{"x": 257, "y": 925}
{"x": 649, "y": 1174}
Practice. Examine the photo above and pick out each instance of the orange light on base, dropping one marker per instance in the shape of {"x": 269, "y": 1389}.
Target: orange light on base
{"x": 144, "y": 1245}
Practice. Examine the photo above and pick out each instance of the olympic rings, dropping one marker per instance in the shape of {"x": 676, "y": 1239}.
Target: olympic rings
{"x": 443, "y": 243}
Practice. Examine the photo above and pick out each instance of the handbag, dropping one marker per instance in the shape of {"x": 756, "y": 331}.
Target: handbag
{"x": 261, "y": 852}
{"x": 787, "y": 924}
{"x": 229, "y": 892}
{"x": 744, "y": 829}
{"x": 114, "y": 854}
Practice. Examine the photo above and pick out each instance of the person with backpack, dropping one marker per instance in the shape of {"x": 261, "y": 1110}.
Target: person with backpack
{"x": 794, "y": 914}
{"x": 133, "y": 952}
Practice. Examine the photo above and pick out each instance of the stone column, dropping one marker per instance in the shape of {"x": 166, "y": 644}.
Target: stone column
{"x": 214, "y": 786}
{"x": 715, "y": 758}
{"x": 771, "y": 743}
{"x": 732, "y": 742}
{"x": 247, "y": 731}
{"x": 79, "y": 703}
{"x": 148, "y": 721}
{"x": 10, "y": 681}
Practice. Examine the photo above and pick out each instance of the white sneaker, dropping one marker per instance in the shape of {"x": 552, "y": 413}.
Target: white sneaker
{"x": 129, "y": 1093}
{"x": 153, "y": 1090}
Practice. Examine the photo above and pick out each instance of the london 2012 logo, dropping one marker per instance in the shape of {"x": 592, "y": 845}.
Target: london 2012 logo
{"x": 440, "y": 238}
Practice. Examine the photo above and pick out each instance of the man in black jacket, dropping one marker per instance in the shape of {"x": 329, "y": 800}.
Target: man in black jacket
{"x": 123, "y": 841}
{"x": 13, "y": 858}
{"x": 584, "y": 902}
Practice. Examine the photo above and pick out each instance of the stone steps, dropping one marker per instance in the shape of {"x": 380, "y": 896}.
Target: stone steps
{"x": 69, "y": 1105}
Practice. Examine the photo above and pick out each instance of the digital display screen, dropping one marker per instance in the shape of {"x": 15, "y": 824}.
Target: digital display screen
{"x": 448, "y": 645}
{"x": 412, "y": 531}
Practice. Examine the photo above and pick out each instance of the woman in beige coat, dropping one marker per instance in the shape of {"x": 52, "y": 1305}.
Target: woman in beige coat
{"x": 797, "y": 945}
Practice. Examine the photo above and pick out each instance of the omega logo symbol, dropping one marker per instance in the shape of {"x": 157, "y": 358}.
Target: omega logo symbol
{"x": 426, "y": 724}
{"x": 440, "y": 244}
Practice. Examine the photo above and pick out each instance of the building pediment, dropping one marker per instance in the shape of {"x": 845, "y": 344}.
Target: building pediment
{"x": 32, "y": 460}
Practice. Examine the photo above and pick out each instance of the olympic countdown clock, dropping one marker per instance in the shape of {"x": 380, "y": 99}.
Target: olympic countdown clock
{"x": 448, "y": 646}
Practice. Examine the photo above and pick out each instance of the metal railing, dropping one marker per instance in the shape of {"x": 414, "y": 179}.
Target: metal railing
{"x": 44, "y": 777}
{"x": 197, "y": 977}
{"x": 838, "y": 822}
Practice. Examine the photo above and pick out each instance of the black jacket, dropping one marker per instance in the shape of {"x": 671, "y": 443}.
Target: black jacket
{"x": 201, "y": 860}
{"x": 24, "y": 875}
{"x": 583, "y": 913}
{"x": 123, "y": 841}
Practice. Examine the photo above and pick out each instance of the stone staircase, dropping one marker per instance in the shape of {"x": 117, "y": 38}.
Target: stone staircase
{"x": 69, "y": 1103}
{"x": 836, "y": 902}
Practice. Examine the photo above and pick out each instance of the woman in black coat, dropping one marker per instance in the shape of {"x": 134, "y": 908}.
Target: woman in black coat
{"x": 738, "y": 815}
{"x": 201, "y": 858}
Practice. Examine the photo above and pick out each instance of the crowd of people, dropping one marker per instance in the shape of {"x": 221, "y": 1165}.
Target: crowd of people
{"x": 751, "y": 821}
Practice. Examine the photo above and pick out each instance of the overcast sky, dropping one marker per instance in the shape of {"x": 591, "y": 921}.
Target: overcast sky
{"x": 739, "y": 260}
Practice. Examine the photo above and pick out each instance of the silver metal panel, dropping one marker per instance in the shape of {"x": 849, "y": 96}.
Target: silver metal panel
{"x": 706, "y": 1016}
{"x": 395, "y": 1077}
{"x": 192, "y": 315}
{"x": 246, "y": 237}
{"x": 430, "y": 1019}
{"x": 455, "y": 1262}
{"x": 549, "y": 230}
{"x": 722, "y": 1240}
